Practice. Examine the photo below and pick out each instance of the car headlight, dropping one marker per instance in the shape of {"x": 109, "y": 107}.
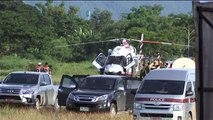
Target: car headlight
{"x": 71, "y": 97}
{"x": 138, "y": 106}
{"x": 178, "y": 107}
{"x": 102, "y": 98}
{"x": 27, "y": 91}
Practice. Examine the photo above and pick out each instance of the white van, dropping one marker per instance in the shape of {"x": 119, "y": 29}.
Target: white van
{"x": 166, "y": 94}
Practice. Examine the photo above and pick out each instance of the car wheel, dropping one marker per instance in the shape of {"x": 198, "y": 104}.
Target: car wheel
{"x": 189, "y": 117}
{"x": 37, "y": 104}
{"x": 113, "y": 109}
{"x": 68, "y": 108}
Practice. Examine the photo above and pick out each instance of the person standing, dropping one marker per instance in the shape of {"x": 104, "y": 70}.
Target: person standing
{"x": 39, "y": 67}
{"x": 47, "y": 68}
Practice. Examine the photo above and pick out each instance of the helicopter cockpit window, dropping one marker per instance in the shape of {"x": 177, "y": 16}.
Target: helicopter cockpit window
{"x": 121, "y": 60}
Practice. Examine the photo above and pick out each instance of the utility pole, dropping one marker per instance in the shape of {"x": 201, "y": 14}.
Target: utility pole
{"x": 189, "y": 38}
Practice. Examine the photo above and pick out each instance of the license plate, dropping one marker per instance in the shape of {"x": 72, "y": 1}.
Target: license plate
{"x": 155, "y": 118}
{"x": 85, "y": 109}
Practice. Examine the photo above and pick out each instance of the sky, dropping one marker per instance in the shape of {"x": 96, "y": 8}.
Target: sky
{"x": 120, "y": 7}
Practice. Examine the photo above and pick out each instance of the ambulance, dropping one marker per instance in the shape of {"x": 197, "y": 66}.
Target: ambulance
{"x": 166, "y": 94}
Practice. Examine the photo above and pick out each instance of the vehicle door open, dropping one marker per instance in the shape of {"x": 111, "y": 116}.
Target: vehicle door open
{"x": 67, "y": 84}
{"x": 99, "y": 61}
{"x": 120, "y": 95}
{"x": 132, "y": 85}
{"x": 129, "y": 62}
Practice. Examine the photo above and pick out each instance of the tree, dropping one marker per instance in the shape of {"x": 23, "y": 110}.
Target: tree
{"x": 185, "y": 23}
{"x": 147, "y": 20}
{"x": 29, "y": 31}
{"x": 23, "y": 31}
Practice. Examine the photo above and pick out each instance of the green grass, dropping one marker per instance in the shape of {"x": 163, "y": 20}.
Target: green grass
{"x": 82, "y": 68}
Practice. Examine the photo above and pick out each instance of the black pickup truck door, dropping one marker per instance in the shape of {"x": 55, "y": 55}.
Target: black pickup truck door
{"x": 131, "y": 86}
{"x": 68, "y": 84}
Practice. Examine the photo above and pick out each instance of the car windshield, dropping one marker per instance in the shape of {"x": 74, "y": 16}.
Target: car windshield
{"x": 121, "y": 60}
{"x": 21, "y": 78}
{"x": 98, "y": 83}
{"x": 162, "y": 87}
{"x": 80, "y": 80}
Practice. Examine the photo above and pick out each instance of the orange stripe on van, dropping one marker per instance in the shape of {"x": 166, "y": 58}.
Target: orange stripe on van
{"x": 186, "y": 100}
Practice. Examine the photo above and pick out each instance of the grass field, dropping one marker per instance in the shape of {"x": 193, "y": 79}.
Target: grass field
{"x": 28, "y": 113}
{"x": 14, "y": 63}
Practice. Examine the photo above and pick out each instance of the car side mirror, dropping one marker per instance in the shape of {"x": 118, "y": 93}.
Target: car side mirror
{"x": 43, "y": 83}
{"x": 72, "y": 86}
{"x": 189, "y": 93}
{"x": 121, "y": 88}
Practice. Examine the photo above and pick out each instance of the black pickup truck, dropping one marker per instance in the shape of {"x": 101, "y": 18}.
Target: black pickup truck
{"x": 97, "y": 93}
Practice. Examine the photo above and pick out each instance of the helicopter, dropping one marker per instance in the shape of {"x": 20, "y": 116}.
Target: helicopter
{"x": 122, "y": 60}
{"x": 125, "y": 60}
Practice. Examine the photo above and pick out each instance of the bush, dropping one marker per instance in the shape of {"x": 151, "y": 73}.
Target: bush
{"x": 13, "y": 62}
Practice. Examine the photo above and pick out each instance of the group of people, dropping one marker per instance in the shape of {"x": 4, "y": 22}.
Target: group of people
{"x": 45, "y": 68}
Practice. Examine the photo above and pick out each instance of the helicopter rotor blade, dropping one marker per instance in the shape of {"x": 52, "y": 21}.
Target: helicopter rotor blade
{"x": 164, "y": 43}
{"x": 94, "y": 42}
{"x": 156, "y": 42}
{"x": 118, "y": 39}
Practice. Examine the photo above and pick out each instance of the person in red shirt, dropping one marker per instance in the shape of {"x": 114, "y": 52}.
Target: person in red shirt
{"x": 39, "y": 67}
{"x": 47, "y": 68}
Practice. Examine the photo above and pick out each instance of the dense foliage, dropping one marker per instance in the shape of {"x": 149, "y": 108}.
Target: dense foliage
{"x": 49, "y": 30}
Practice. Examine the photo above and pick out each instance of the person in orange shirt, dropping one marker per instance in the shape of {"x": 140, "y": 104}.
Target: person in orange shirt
{"x": 47, "y": 68}
{"x": 39, "y": 67}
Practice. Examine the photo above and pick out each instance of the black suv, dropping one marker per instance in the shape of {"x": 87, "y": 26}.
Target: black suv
{"x": 97, "y": 93}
